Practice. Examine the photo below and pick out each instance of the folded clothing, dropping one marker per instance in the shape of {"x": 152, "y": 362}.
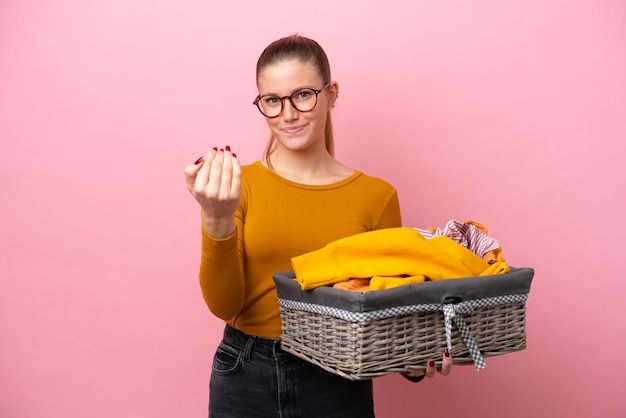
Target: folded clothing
{"x": 390, "y": 255}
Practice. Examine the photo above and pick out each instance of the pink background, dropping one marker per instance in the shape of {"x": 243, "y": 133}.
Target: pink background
{"x": 512, "y": 113}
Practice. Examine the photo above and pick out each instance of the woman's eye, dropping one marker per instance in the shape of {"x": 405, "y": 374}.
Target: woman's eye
{"x": 271, "y": 101}
{"x": 303, "y": 94}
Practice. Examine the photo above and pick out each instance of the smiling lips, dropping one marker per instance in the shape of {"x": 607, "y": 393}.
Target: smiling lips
{"x": 293, "y": 129}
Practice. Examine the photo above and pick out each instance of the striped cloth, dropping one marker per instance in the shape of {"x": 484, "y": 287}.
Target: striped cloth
{"x": 470, "y": 234}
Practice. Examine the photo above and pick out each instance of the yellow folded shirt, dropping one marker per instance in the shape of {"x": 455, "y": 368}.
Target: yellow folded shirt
{"x": 387, "y": 253}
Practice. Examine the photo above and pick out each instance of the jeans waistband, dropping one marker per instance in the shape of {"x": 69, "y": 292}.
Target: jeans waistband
{"x": 260, "y": 345}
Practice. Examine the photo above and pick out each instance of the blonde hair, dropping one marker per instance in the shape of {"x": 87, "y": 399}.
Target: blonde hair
{"x": 306, "y": 50}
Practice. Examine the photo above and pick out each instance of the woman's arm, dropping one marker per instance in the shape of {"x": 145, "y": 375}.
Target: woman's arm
{"x": 215, "y": 183}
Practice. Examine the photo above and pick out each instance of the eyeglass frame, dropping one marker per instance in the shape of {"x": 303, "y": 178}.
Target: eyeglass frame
{"x": 282, "y": 100}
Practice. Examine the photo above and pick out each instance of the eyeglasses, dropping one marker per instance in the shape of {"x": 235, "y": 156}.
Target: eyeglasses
{"x": 303, "y": 100}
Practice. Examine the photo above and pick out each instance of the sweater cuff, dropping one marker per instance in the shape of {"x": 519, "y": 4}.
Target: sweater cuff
{"x": 207, "y": 237}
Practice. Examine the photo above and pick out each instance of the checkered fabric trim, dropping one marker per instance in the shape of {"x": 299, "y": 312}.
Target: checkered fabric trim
{"x": 451, "y": 312}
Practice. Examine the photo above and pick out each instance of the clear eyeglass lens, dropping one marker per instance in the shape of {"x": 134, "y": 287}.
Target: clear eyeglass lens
{"x": 303, "y": 100}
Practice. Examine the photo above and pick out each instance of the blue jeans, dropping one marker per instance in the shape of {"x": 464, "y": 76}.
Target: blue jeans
{"x": 254, "y": 377}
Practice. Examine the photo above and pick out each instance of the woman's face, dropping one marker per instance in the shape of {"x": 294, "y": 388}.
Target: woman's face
{"x": 293, "y": 129}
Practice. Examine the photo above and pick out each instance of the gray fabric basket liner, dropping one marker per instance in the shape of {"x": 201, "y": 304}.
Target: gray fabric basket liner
{"x": 517, "y": 282}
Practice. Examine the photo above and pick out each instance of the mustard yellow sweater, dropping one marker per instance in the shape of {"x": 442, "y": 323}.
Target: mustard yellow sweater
{"x": 277, "y": 220}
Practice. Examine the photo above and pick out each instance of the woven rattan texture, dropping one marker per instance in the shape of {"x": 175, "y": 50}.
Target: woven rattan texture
{"x": 364, "y": 350}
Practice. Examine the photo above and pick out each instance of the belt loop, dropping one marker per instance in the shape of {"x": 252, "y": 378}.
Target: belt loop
{"x": 247, "y": 351}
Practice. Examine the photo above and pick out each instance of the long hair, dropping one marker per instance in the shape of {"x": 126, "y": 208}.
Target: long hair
{"x": 306, "y": 50}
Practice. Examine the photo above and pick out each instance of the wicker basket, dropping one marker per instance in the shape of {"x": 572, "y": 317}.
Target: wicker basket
{"x": 365, "y": 335}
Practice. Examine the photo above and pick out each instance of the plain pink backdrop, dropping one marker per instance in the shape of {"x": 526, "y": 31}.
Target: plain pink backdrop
{"x": 512, "y": 113}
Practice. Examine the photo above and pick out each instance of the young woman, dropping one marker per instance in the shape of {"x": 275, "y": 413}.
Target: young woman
{"x": 255, "y": 218}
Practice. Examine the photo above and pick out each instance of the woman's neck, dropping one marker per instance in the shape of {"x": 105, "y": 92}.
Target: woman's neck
{"x": 308, "y": 166}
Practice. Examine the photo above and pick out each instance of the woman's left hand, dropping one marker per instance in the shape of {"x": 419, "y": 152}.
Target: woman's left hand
{"x": 431, "y": 368}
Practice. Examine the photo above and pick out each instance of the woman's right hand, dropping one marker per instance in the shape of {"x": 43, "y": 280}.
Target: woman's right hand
{"x": 215, "y": 182}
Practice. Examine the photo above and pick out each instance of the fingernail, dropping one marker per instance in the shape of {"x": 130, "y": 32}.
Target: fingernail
{"x": 214, "y": 148}
{"x": 221, "y": 149}
{"x": 431, "y": 363}
{"x": 198, "y": 161}
{"x": 227, "y": 148}
{"x": 234, "y": 155}
{"x": 446, "y": 353}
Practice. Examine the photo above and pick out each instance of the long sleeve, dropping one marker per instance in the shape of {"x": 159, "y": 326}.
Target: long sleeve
{"x": 221, "y": 275}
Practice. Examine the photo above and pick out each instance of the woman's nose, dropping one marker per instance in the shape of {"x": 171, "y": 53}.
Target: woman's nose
{"x": 289, "y": 112}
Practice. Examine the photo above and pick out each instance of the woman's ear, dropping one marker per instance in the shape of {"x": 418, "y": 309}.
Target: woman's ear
{"x": 333, "y": 90}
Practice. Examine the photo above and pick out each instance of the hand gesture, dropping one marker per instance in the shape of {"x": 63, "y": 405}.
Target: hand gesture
{"x": 215, "y": 182}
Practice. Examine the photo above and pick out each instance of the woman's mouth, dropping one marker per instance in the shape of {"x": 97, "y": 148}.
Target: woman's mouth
{"x": 291, "y": 130}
